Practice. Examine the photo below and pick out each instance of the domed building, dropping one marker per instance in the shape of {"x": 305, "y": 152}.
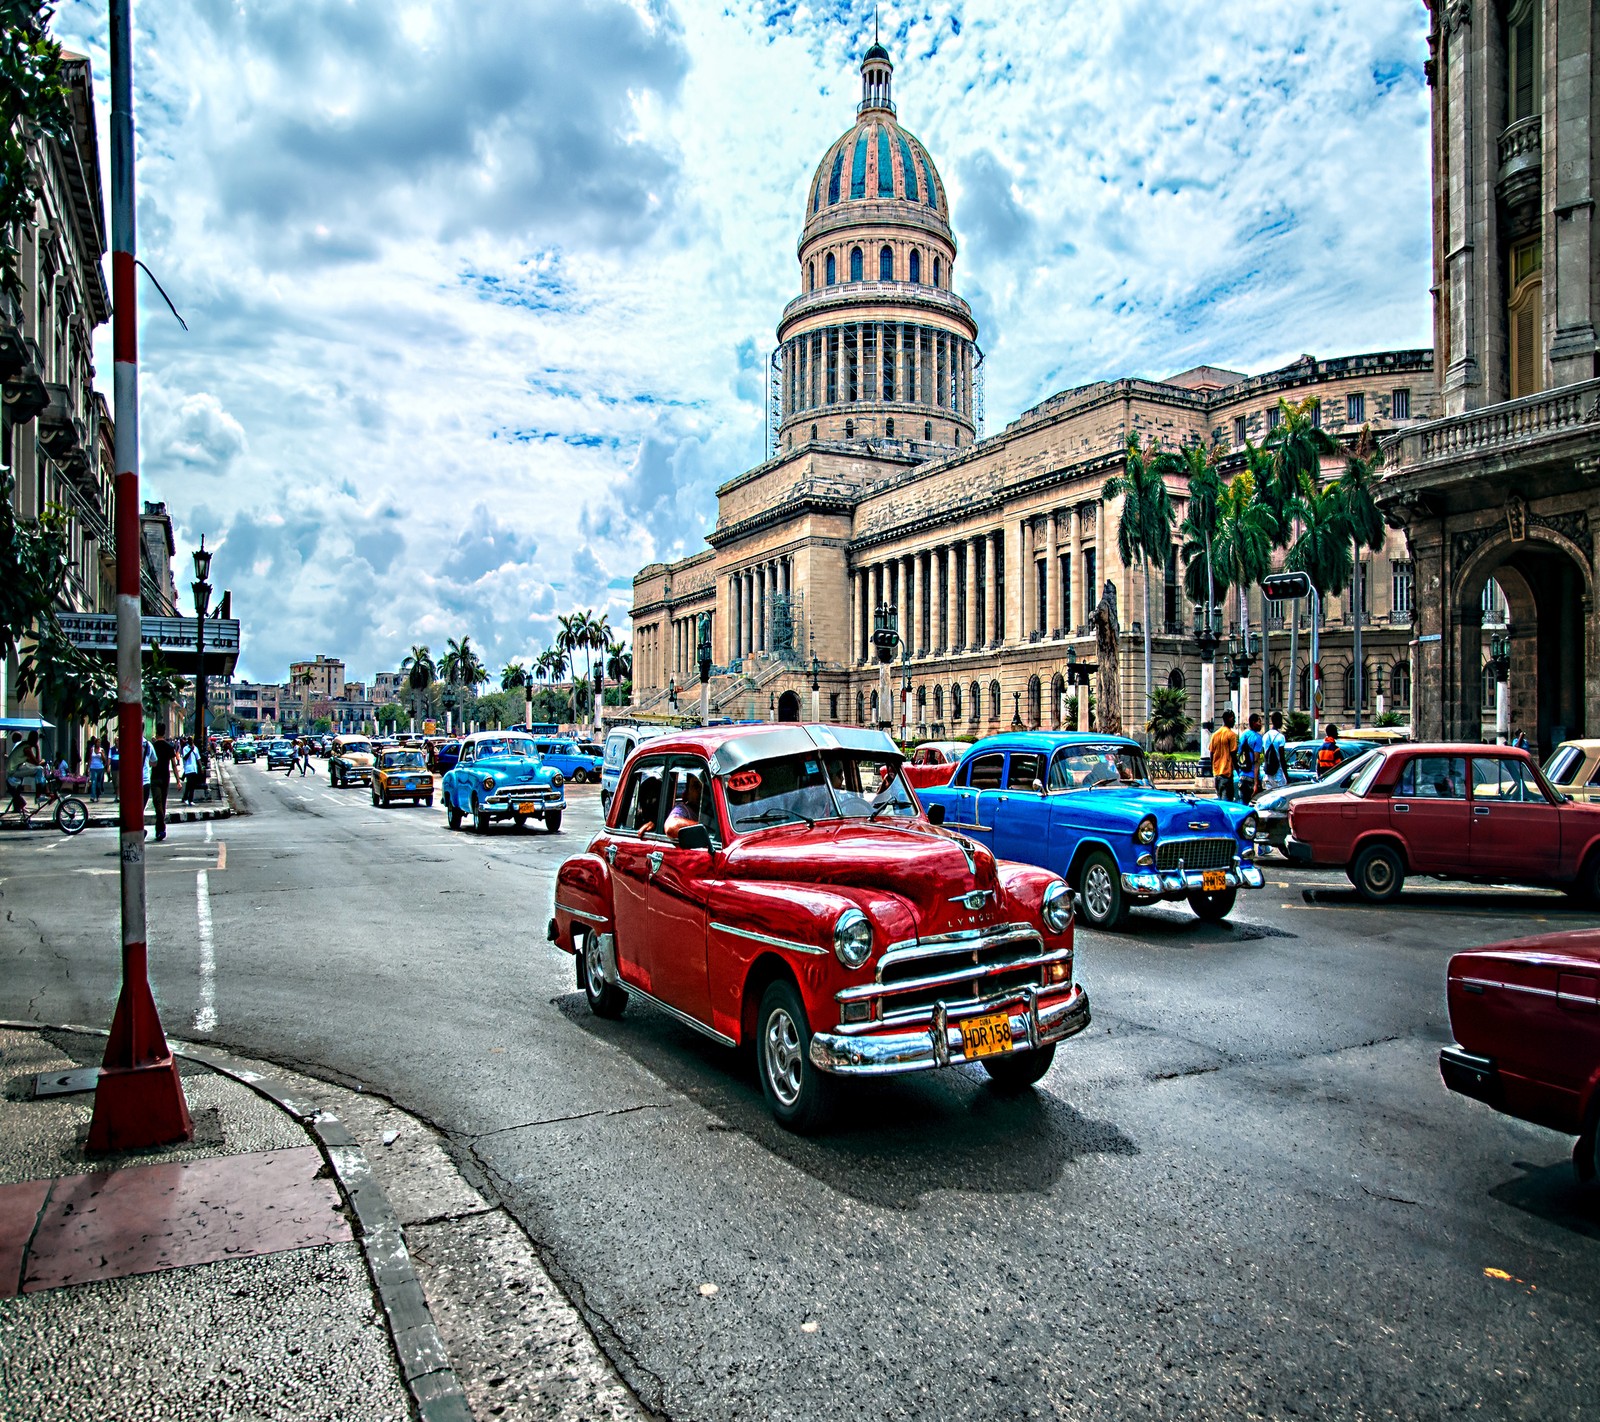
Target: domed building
{"x": 882, "y": 491}
{"x": 877, "y": 345}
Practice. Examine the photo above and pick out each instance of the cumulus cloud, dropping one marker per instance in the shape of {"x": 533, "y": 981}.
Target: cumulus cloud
{"x": 481, "y": 297}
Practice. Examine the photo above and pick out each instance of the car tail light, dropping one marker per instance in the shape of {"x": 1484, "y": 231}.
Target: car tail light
{"x": 858, "y": 1011}
{"x": 1058, "y": 973}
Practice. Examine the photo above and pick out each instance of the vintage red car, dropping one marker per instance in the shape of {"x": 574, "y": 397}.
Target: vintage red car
{"x": 1470, "y": 812}
{"x": 1526, "y": 1019}
{"x": 780, "y": 886}
{"x": 933, "y": 763}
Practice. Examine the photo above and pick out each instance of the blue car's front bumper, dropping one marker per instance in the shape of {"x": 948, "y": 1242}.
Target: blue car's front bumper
{"x": 1180, "y": 883}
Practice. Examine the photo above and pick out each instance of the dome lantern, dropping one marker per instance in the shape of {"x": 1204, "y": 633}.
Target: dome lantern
{"x": 876, "y": 70}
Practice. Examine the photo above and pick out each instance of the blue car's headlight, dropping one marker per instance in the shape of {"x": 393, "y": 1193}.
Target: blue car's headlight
{"x": 1146, "y": 833}
{"x": 556, "y": 779}
{"x": 488, "y": 782}
{"x": 1247, "y": 827}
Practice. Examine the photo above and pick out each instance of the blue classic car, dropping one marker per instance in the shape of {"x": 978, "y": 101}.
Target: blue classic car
{"x": 499, "y": 776}
{"x": 564, "y": 754}
{"x": 1083, "y": 806}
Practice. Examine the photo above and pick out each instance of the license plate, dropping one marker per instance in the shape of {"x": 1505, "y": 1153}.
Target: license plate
{"x": 1214, "y": 881}
{"x": 527, "y": 809}
{"x": 986, "y": 1036}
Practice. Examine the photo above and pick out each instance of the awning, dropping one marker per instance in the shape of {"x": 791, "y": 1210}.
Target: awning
{"x": 25, "y": 723}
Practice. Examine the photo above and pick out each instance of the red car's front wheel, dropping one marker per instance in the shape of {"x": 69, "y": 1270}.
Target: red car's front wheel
{"x": 800, "y": 1096}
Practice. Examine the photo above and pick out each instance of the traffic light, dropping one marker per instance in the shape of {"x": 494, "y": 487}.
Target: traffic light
{"x": 1281, "y": 586}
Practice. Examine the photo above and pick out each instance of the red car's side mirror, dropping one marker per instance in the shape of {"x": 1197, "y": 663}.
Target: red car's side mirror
{"x": 935, "y": 814}
{"x": 694, "y": 837}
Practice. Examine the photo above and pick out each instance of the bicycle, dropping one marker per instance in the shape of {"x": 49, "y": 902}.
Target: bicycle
{"x": 67, "y": 812}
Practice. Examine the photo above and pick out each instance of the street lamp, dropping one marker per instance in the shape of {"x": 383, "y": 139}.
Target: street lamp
{"x": 885, "y": 638}
{"x": 1079, "y": 675}
{"x": 703, "y": 656}
{"x": 672, "y": 693}
{"x": 1016, "y": 710}
{"x": 1206, "y": 636}
{"x": 772, "y": 707}
{"x": 816, "y": 682}
{"x": 1243, "y": 652}
{"x": 202, "y": 601}
{"x": 1499, "y": 665}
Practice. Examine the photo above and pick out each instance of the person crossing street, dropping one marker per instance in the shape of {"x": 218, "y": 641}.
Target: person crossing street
{"x": 1224, "y": 745}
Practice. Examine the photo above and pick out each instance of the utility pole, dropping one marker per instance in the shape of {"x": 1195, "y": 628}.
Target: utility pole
{"x": 139, "y": 1100}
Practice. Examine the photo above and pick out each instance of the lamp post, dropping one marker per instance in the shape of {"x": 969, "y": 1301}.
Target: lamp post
{"x": 816, "y": 684}
{"x": 1080, "y": 674}
{"x": 772, "y": 706}
{"x": 1242, "y": 654}
{"x": 703, "y": 656}
{"x": 1206, "y": 638}
{"x": 1016, "y": 710}
{"x": 202, "y": 601}
{"x": 672, "y": 693}
{"x": 885, "y": 637}
{"x": 1500, "y": 666}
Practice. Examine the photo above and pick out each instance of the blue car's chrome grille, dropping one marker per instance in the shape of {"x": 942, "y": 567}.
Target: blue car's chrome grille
{"x": 1212, "y": 853}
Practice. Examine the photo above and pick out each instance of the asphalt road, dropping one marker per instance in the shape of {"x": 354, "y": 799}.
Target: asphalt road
{"x": 1244, "y": 1192}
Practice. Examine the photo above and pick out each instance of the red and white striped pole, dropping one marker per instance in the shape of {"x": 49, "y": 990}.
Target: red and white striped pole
{"x": 139, "y": 1100}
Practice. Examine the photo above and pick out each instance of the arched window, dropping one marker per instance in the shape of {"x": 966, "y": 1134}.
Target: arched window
{"x": 888, "y": 429}
{"x": 1400, "y": 684}
{"x": 994, "y": 701}
{"x": 936, "y": 271}
{"x": 874, "y": 708}
{"x": 811, "y": 276}
{"x": 1347, "y": 693}
{"x": 973, "y": 702}
{"x": 861, "y": 709}
{"x": 938, "y": 703}
{"x": 1058, "y": 694}
{"x": 1175, "y": 679}
{"x": 886, "y": 265}
{"x": 1275, "y": 684}
{"x": 1522, "y": 60}
{"x": 849, "y": 429}
{"x": 922, "y": 703}
{"x": 831, "y": 270}
{"x": 916, "y": 268}
{"x": 1034, "y": 708}
{"x": 855, "y": 264}
{"x": 813, "y": 431}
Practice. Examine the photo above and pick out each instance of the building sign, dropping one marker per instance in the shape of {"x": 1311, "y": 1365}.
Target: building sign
{"x": 97, "y": 632}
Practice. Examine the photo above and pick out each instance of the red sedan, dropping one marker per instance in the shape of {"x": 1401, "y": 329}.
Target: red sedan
{"x": 779, "y": 886}
{"x": 1481, "y": 813}
{"x": 1526, "y": 1019}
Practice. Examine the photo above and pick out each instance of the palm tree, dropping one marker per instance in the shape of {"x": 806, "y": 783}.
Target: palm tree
{"x": 420, "y": 673}
{"x": 304, "y": 679}
{"x": 1356, "y": 489}
{"x": 568, "y": 640}
{"x": 1144, "y": 527}
{"x": 558, "y": 659}
{"x": 1322, "y": 551}
{"x": 1242, "y": 547}
{"x": 1169, "y": 718}
{"x": 516, "y": 675}
{"x": 619, "y": 662}
{"x": 1297, "y": 447}
{"x": 599, "y": 639}
{"x": 1196, "y": 464}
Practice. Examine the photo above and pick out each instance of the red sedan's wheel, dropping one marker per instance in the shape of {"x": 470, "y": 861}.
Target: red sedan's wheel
{"x": 605, "y": 999}
{"x": 1378, "y": 873}
{"x": 799, "y": 1096}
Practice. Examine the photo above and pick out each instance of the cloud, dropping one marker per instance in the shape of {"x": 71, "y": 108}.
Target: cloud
{"x": 481, "y": 298}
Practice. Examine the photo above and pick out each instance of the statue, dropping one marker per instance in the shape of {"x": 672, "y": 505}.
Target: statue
{"x": 1107, "y": 641}
{"x": 1517, "y": 517}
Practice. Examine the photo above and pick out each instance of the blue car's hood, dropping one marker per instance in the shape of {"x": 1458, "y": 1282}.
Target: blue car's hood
{"x": 1176, "y": 815}
{"x": 522, "y": 769}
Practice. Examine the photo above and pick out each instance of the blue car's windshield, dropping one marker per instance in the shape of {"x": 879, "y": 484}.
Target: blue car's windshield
{"x": 505, "y": 745}
{"x": 1083, "y": 767}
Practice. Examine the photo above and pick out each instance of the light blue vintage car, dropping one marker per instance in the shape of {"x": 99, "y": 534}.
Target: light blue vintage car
{"x": 500, "y": 776}
{"x": 1083, "y": 806}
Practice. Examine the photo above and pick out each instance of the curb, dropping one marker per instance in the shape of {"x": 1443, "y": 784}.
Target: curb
{"x": 424, "y": 1364}
{"x": 174, "y": 817}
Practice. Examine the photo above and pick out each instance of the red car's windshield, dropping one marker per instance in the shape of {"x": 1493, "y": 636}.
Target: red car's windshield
{"x": 823, "y": 785}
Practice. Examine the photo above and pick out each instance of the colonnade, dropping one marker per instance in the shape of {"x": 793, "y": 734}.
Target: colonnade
{"x": 1032, "y": 578}
{"x": 683, "y": 645}
{"x": 751, "y": 600}
{"x": 878, "y": 361}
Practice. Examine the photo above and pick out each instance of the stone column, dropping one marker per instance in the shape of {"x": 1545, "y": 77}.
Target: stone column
{"x": 1052, "y": 572}
{"x": 1075, "y": 613}
{"x": 1016, "y": 554}
{"x": 750, "y": 643}
{"x": 952, "y": 602}
{"x": 991, "y": 592}
{"x": 969, "y": 629}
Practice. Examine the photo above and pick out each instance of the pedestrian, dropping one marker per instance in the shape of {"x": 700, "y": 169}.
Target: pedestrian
{"x": 164, "y": 755}
{"x": 113, "y": 769}
{"x": 1247, "y": 759}
{"x": 16, "y": 762}
{"x": 1274, "y": 756}
{"x": 33, "y": 765}
{"x": 147, "y": 753}
{"x": 190, "y": 761}
{"x": 1521, "y": 741}
{"x": 1329, "y": 756}
{"x": 1224, "y": 745}
{"x": 97, "y": 771}
{"x": 305, "y": 757}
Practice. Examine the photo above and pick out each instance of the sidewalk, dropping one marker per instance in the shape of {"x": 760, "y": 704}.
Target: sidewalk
{"x": 103, "y": 813}
{"x": 261, "y": 1270}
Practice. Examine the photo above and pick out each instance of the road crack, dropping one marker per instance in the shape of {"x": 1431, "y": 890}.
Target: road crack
{"x": 576, "y": 1116}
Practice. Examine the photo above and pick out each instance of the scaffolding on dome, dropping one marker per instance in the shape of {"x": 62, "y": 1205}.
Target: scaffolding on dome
{"x": 980, "y": 402}
{"x": 774, "y": 400}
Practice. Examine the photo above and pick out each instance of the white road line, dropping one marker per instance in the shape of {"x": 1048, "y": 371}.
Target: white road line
{"x": 205, "y": 1014}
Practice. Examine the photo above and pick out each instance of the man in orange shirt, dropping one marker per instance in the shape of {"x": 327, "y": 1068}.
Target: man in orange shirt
{"x": 1224, "y": 747}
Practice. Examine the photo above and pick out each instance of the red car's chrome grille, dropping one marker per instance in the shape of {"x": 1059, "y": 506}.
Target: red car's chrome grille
{"x": 961, "y": 970}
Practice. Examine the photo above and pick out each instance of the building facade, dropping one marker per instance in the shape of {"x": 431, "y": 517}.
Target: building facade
{"x": 1500, "y": 498}
{"x": 320, "y": 679}
{"x": 51, "y": 437}
{"x": 993, "y": 551}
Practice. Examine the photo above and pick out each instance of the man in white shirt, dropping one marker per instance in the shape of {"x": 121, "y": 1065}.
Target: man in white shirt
{"x": 1274, "y": 756}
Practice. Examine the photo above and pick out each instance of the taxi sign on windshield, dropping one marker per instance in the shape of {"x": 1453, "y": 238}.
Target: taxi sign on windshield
{"x": 742, "y": 781}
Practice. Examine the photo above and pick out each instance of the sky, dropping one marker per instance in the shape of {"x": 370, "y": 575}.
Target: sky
{"x": 480, "y": 296}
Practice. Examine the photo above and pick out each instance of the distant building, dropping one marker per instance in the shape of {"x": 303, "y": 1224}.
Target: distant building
{"x": 389, "y": 686}
{"x": 321, "y": 679}
{"x": 253, "y": 701}
{"x": 1500, "y": 498}
{"x": 158, "y": 586}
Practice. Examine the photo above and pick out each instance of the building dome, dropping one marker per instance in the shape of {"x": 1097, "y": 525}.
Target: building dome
{"x": 877, "y": 161}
